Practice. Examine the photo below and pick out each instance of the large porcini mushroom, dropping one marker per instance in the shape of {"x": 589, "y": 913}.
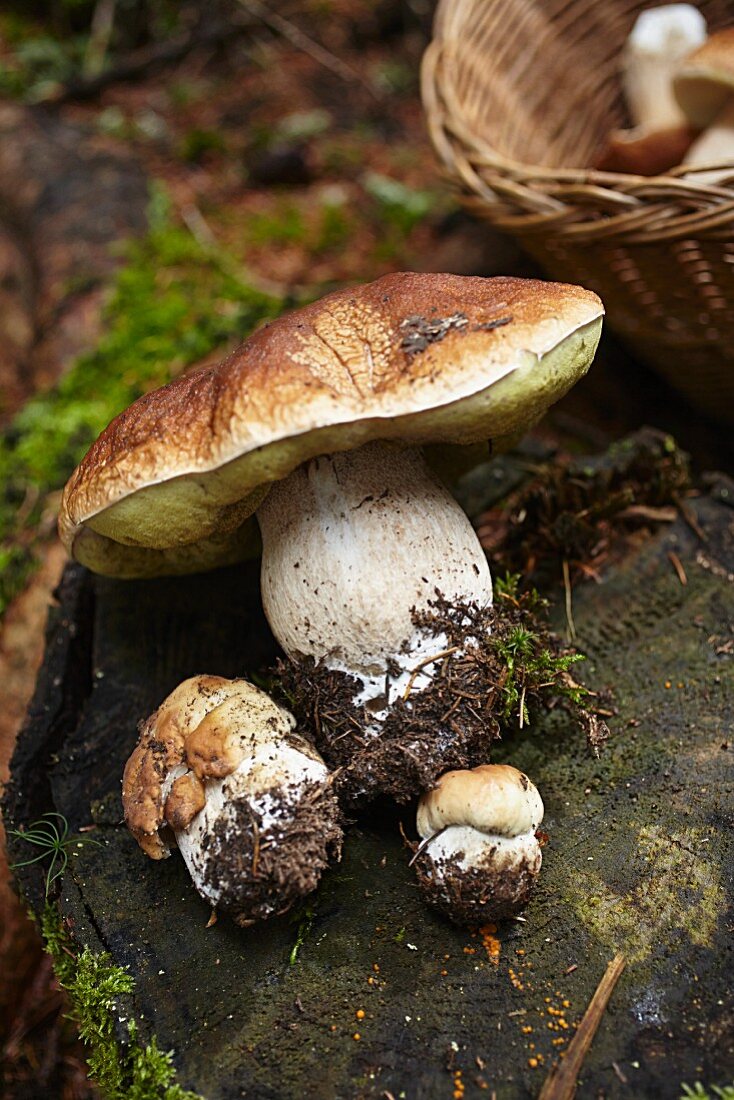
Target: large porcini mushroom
{"x": 661, "y": 133}
{"x": 479, "y": 856}
{"x": 317, "y": 424}
{"x": 249, "y": 802}
{"x": 704, "y": 87}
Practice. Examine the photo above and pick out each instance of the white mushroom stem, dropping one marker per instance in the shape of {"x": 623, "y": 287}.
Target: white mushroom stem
{"x": 353, "y": 544}
{"x": 715, "y": 146}
{"x": 660, "y": 39}
{"x": 471, "y": 849}
{"x": 275, "y": 767}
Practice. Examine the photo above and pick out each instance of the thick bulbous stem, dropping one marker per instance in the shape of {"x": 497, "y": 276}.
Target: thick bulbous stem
{"x": 278, "y": 800}
{"x": 353, "y": 545}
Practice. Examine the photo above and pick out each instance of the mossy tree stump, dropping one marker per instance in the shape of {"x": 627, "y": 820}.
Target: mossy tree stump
{"x": 364, "y": 992}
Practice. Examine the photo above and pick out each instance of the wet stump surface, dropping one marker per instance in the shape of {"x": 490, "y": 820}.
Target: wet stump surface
{"x": 638, "y": 860}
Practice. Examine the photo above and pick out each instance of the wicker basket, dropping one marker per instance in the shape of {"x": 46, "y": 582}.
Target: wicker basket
{"x": 520, "y": 95}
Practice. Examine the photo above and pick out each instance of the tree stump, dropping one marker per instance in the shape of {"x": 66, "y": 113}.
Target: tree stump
{"x": 364, "y": 992}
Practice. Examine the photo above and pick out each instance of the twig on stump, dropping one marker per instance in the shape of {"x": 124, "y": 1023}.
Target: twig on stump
{"x": 560, "y": 1084}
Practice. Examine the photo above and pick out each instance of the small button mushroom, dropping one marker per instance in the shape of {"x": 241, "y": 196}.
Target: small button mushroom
{"x": 661, "y": 133}
{"x": 704, "y": 86}
{"x": 479, "y": 856}
{"x": 248, "y": 801}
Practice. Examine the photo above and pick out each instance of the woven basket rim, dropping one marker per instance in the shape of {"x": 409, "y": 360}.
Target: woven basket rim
{"x": 570, "y": 202}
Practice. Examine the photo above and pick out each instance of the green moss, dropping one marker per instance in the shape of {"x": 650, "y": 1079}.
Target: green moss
{"x": 676, "y": 891}
{"x": 39, "y": 59}
{"x": 123, "y": 1072}
{"x": 284, "y": 225}
{"x": 334, "y": 229}
{"x": 534, "y": 664}
{"x": 173, "y": 303}
{"x": 698, "y": 1092}
{"x": 399, "y": 207}
{"x": 197, "y": 143}
{"x": 395, "y": 210}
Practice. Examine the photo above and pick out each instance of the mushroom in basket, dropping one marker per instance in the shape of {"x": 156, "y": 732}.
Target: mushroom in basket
{"x": 704, "y": 86}
{"x": 661, "y": 132}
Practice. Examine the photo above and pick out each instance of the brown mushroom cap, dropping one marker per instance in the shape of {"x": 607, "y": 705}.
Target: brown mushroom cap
{"x": 642, "y": 152}
{"x": 705, "y": 80}
{"x": 170, "y": 484}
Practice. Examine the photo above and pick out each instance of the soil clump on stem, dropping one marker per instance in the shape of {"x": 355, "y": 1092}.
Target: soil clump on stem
{"x": 275, "y": 862}
{"x": 464, "y": 895}
{"x": 498, "y": 665}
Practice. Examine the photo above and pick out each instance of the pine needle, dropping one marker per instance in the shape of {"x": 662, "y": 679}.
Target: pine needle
{"x": 51, "y": 835}
{"x": 569, "y": 602}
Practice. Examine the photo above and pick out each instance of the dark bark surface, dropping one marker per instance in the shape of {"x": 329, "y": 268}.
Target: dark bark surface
{"x": 639, "y": 860}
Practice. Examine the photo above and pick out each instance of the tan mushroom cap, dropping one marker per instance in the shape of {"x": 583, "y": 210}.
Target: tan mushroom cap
{"x": 705, "y": 80}
{"x": 187, "y": 798}
{"x": 207, "y": 724}
{"x": 170, "y": 484}
{"x": 492, "y": 798}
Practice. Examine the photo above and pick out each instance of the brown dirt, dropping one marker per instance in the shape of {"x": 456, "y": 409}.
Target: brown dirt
{"x": 589, "y": 511}
{"x": 450, "y": 724}
{"x": 269, "y": 870}
{"x": 472, "y": 897}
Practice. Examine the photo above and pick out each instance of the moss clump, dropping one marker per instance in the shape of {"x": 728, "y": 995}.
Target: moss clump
{"x": 533, "y": 659}
{"x": 94, "y": 985}
{"x": 173, "y": 303}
